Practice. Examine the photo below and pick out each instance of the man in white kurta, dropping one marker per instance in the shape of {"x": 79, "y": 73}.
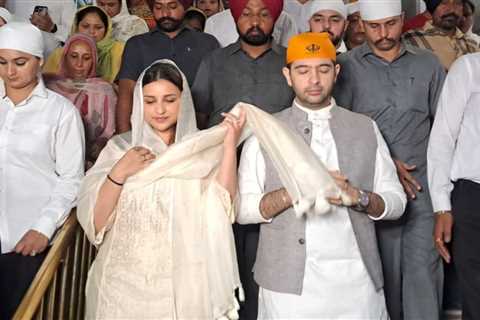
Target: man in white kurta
{"x": 336, "y": 283}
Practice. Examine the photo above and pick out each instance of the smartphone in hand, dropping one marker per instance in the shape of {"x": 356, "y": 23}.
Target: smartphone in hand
{"x": 41, "y": 10}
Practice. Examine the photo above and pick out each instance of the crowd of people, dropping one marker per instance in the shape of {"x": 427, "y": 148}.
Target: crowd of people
{"x": 252, "y": 159}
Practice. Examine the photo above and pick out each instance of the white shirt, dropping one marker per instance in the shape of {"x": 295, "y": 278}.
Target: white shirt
{"x": 295, "y": 10}
{"x": 222, "y": 26}
{"x": 453, "y": 150}
{"x": 335, "y": 275}
{"x": 42, "y": 151}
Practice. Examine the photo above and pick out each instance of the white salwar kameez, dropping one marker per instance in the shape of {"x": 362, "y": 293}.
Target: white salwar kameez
{"x": 336, "y": 283}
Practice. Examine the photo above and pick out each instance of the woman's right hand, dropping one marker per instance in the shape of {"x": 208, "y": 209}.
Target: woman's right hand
{"x": 135, "y": 160}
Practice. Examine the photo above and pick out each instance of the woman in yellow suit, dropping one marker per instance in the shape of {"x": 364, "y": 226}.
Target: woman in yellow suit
{"x": 95, "y": 22}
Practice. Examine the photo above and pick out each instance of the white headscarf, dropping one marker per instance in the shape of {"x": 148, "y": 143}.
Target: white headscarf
{"x": 126, "y": 25}
{"x": 142, "y": 133}
{"x": 22, "y": 36}
{"x": 379, "y": 9}
{"x": 5, "y": 15}
{"x": 314, "y": 6}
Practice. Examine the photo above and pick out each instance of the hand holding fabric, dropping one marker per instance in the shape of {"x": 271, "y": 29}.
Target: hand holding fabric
{"x": 347, "y": 189}
{"x": 134, "y": 160}
{"x": 32, "y": 242}
{"x": 234, "y": 126}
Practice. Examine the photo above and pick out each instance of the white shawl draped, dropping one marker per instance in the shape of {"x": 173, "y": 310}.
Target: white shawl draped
{"x": 202, "y": 211}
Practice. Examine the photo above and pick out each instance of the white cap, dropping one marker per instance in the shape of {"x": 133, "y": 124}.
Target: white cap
{"x": 5, "y": 15}
{"x": 313, "y": 6}
{"x": 379, "y": 9}
{"x": 353, "y": 7}
{"x": 22, "y": 36}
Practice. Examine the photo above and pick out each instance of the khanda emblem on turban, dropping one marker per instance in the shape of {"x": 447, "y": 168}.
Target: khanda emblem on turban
{"x": 313, "y": 48}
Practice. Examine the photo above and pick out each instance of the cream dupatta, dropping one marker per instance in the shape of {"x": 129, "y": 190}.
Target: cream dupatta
{"x": 195, "y": 156}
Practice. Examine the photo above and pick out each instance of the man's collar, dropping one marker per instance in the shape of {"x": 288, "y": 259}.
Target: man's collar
{"x": 342, "y": 48}
{"x": 366, "y": 50}
{"x": 237, "y": 46}
{"x": 157, "y": 30}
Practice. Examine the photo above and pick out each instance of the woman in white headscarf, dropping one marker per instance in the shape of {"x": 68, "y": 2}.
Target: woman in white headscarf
{"x": 159, "y": 208}
{"x": 125, "y": 25}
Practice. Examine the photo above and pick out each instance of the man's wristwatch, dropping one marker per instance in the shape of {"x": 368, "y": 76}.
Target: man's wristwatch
{"x": 363, "y": 201}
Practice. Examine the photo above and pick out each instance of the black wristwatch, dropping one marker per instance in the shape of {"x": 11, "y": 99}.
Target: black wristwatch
{"x": 363, "y": 201}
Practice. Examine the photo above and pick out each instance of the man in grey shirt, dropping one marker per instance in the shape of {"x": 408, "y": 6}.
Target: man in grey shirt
{"x": 398, "y": 86}
{"x": 249, "y": 70}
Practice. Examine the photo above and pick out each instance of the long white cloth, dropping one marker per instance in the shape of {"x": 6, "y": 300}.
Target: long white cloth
{"x": 183, "y": 168}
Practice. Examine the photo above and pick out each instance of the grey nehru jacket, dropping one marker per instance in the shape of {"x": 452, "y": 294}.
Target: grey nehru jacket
{"x": 401, "y": 96}
{"x": 281, "y": 254}
{"x": 229, "y": 75}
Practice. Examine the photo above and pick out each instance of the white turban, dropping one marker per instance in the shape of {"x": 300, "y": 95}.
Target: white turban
{"x": 22, "y": 36}
{"x": 5, "y": 15}
{"x": 379, "y": 9}
{"x": 313, "y": 6}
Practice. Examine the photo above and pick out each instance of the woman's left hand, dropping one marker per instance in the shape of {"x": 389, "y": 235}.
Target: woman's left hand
{"x": 234, "y": 126}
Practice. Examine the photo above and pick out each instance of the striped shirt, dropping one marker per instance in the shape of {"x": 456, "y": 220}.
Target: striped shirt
{"x": 446, "y": 48}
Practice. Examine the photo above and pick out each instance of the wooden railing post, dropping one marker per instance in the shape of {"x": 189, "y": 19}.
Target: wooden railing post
{"x": 58, "y": 289}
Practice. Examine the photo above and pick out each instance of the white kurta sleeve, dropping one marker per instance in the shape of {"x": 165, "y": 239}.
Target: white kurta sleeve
{"x": 386, "y": 183}
{"x": 251, "y": 181}
{"x": 69, "y": 165}
{"x": 446, "y": 128}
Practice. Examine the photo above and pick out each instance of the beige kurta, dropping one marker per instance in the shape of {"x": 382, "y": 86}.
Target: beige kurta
{"x": 155, "y": 260}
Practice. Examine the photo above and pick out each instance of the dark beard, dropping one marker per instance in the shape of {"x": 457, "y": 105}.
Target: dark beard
{"x": 258, "y": 39}
{"x": 449, "y": 21}
{"x": 168, "y": 24}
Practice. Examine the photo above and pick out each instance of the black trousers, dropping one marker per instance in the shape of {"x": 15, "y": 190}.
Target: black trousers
{"x": 16, "y": 275}
{"x": 466, "y": 244}
{"x": 246, "y": 242}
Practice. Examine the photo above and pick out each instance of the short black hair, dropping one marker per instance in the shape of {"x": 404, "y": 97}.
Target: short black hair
{"x": 93, "y": 9}
{"x": 163, "y": 71}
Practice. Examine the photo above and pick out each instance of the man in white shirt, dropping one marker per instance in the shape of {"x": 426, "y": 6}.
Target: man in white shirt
{"x": 295, "y": 9}
{"x": 41, "y": 161}
{"x": 454, "y": 177}
{"x": 327, "y": 16}
{"x": 328, "y": 266}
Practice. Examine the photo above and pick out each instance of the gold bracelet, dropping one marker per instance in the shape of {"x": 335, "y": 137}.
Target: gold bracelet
{"x": 443, "y": 212}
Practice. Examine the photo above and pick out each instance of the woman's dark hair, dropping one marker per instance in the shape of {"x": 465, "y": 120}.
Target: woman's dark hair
{"x": 163, "y": 71}
{"x": 194, "y": 14}
{"x": 103, "y": 16}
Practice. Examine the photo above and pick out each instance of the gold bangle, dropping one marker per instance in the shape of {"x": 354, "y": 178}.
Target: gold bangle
{"x": 443, "y": 212}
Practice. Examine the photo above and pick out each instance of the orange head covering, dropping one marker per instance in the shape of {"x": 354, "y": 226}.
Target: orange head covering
{"x": 310, "y": 45}
{"x": 274, "y": 6}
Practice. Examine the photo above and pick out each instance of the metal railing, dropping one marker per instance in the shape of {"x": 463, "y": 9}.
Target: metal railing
{"x": 58, "y": 289}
